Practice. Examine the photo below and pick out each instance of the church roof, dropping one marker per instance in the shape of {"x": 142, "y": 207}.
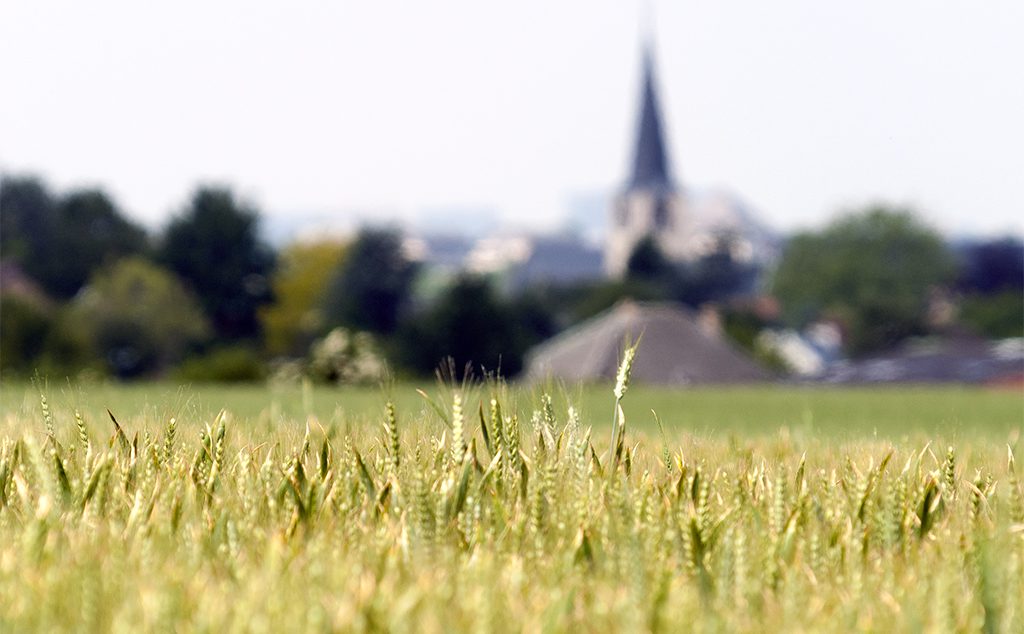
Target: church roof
{"x": 674, "y": 350}
{"x": 650, "y": 159}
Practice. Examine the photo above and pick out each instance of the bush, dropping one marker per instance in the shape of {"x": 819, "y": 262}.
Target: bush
{"x": 138, "y": 317}
{"x": 995, "y": 316}
{"x": 346, "y": 357}
{"x": 24, "y": 327}
{"x": 233, "y": 364}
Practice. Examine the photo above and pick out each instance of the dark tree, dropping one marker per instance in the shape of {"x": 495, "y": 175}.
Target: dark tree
{"x": 215, "y": 247}
{"x": 91, "y": 232}
{"x": 61, "y": 243}
{"x": 24, "y": 327}
{"x": 715, "y": 277}
{"x": 27, "y": 221}
{"x": 371, "y": 287}
{"x": 648, "y": 264}
{"x": 470, "y": 324}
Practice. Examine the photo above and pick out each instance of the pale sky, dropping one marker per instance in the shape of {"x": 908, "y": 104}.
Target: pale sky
{"x": 385, "y": 109}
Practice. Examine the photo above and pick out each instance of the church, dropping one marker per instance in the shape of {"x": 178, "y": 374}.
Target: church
{"x": 685, "y": 224}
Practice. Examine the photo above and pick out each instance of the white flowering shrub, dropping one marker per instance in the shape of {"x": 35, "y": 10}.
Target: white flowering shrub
{"x": 343, "y": 356}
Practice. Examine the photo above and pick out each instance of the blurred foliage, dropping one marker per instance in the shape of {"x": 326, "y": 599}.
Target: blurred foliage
{"x": 27, "y": 217}
{"x": 743, "y": 327}
{"x": 295, "y": 318}
{"x": 69, "y": 350}
{"x": 91, "y": 232}
{"x": 870, "y": 270}
{"x": 648, "y": 264}
{"x": 588, "y": 300}
{"x": 473, "y": 327}
{"x": 60, "y": 243}
{"x": 214, "y": 246}
{"x": 138, "y": 317}
{"x": 714, "y": 277}
{"x": 995, "y": 316}
{"x": 226, "y": 364}
{"x": 371, "y": 289}
{"x": 24, "y": 328}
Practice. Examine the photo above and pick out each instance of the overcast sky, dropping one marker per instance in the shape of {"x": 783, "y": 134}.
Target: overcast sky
{"x": 386, "y": 109}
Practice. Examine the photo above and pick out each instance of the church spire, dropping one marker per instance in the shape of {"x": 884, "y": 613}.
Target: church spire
{"x": 650, "y": 160}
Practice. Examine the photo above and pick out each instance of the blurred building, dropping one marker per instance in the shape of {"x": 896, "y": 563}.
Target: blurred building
{"x": 557, "y": 260}
{"x": 443, "y": 251}
{"x": 685, "y": 226}
{"x": 806, "y": 354}
{"x": 688, "y": 224}
{"x": 959, "y": 359}
{"x": 520, "y": 259}
{"x": 677, "y": 347}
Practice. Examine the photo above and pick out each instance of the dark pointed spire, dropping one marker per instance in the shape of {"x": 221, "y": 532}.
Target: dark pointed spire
{"x": 650, "y": 160}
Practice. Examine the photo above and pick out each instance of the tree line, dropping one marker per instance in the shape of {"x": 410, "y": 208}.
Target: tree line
{"x": 206, "y": 298}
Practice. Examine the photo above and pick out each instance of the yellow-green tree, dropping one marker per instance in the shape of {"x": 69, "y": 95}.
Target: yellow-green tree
{"x": 137, "y": 317}
{"x": 295, "y": 318}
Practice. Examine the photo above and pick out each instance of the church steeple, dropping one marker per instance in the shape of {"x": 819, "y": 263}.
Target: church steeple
{"x": 651, "y": 205}
{"x": 650, "y": 158}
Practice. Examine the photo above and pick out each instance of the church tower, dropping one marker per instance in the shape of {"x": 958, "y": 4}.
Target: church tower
{"x": 651, "y": 204}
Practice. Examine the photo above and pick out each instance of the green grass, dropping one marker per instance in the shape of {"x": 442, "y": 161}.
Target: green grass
{"x": 838, "y": 413}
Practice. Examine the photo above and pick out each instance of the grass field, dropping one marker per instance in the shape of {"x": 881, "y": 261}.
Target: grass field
{"x": 491, "y": 508}
{"x": 836, "y": 413}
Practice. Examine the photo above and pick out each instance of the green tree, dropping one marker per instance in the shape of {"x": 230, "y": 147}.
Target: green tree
{"x": 997, "y": 316}
{"x": 371, "y": 288}
{"x": 60, "y": 243}
{"x": 295, "y": 318}
{"x": 214, "y": 246}
{"x": 138, "y": 317}
{"x": 870, "y": 270}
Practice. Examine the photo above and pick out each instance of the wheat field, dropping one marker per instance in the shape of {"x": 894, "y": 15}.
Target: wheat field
{"x": 471, "y": 515}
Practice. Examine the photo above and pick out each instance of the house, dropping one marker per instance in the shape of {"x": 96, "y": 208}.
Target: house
{"x": 937, "y": 360}
{"x": 674, "y": 349}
